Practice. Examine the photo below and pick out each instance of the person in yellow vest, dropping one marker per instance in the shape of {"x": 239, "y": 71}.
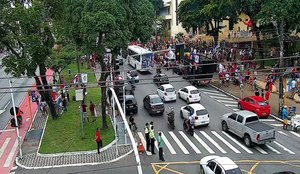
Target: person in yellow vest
{"x": 146, "y": 129}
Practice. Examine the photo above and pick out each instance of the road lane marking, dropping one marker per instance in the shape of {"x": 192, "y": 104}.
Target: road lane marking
{"x": 273, "y": 149}
{"x": 203, "y": 144}
{"x": 190, "y": 142}
{"x": 235, "y": 109}
{"x": 226, "y": 142}
{"x": 209, "y": 90}
{"x": 225, "y": 101}
{"x": 168, "y": 144}
{"x": 214, "y": 94}
{"x": 184, "y": 150}
{"x": 238, "y": 143}
{"x": 284, "y": 148}
{"x": 213, "y": 141}
{"x": 229, "y": 105}
{"x": 4, "y": 145}
{"x": 11, "y": 154}
{"x": 270, "y": 120}
{"x": 144, "y": 142}
{"x": 225, "y": 98}
{"x": 276, "y": 125}
{"x": 260, "y": 150}
{"x": 283, "y": 133}
{"x": 294, "y": 133}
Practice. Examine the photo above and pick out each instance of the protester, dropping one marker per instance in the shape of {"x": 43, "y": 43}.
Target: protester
{"x": 92, "y": 110}
{"x": 98, "y": 140}
{"x": 83, "y": 111}
{"x": 284, "y": 117}
{"x": 64, "y": 104}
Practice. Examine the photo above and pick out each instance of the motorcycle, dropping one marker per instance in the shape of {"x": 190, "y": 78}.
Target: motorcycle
{"x": 171, "y": 119}
{"x": 188, "y": 127}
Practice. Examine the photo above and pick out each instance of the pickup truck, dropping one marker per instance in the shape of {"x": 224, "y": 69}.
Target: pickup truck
{"x": 246, "y": 125}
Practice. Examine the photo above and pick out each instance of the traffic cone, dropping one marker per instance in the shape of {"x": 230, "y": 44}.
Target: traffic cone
{"x": 141, "y": 147}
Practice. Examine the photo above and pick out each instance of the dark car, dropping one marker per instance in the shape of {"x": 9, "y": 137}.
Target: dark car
{"x": 153, "y": 104}
{"x": 160, "y": 79}
{"x": 130, "y": 104}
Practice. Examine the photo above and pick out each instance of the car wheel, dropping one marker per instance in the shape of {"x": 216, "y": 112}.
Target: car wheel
{"x": 179, "y": 96}
{"x": 297, "y": 129}
{"x": 247, "y": 140}
{"x": 240, "y": 106}
{"x": 224, "y": 126}
{"x": 181, "y": 114}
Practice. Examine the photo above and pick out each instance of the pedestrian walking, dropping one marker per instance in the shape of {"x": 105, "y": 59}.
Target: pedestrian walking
{"x": 98, "y": 140}
{"x": 59, "y": 104}
{"x": 146, "y": 129}
{"x": 160, "y": 147}
{"x": 44, "y": 107}
{"x": 64, "y": 104}
{"x": 83, "y": 110}
{"x": 92, "y": 110}
{"x": 131, "y": 120}
{"x": 284, "y": 117}
{"x": 152, "y": 140}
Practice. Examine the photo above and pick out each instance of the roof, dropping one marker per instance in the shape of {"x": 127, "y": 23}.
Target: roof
{"x": 257, "y": 98}
{"x": 197, "y": 106}
{"x": 138, "y": 49}
{"x": 226, "y": 163}
{"x": 167, "y": 86}
{"x": 245, "y": 113}
{"x": 190, "y": 87}
{"x": 154, "y": 96}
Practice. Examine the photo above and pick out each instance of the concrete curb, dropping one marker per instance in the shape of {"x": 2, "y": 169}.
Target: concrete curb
{"x": 74, "y": 165}
{"x": 235, "y": 97}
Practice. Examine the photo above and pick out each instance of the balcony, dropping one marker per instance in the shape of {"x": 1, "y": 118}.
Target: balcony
{"x": 168, "y": 17}
{"x": 167, "y": 3}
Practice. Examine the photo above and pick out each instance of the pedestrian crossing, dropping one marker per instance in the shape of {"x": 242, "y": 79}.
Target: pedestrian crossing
{"x": 213, "y": 142}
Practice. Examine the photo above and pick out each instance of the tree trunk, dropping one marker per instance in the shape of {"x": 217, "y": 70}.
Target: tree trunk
{"x": 259, "y": 46}
{"x": 47, "y": 91}
{"x": 103, "y": 96}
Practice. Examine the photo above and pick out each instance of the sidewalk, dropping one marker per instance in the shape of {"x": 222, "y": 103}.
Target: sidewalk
{"x": 8, "y": 140}
{"x": 34, "y": 160}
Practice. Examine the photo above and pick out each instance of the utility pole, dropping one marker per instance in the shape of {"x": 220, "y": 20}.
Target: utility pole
{"x": 281, "y": 65}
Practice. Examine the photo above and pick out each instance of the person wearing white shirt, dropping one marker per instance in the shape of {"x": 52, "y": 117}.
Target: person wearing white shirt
{"x": 293, "y": 87}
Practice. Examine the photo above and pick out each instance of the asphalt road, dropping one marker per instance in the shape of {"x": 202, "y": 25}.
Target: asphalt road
{"x": 185, "y": 151}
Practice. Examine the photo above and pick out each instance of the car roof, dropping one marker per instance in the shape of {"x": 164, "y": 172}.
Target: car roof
{"x": 197, "y": 106}
{"x": 226, "y": 163}
{"x": 257, "y": 98}
{"x": 153, "y": 96}
{"x": 167, "y": 86}
{"x": 245, "y": 113}
{"x": 190, "y": 87}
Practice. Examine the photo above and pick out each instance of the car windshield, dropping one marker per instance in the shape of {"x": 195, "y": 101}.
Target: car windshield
{"x": 134, "y": 73}
{"x": 263, "y": 103}
{"x": 130, "y": 101}
{"x": 155, "y": 100}
{"x": 194, "y": 91}
{"x": 201, "y": 112}
{"x": 170, "y": 90}
{"x": 233, "y": 171}
{"x": 251, "y": 119}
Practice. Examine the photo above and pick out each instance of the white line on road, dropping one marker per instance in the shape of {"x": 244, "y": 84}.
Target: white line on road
{"x": 225, "y": 98}
{"x": 11, "y": 154}
{"x": 284, "y": 148}
{"x": 238, "y": 143}
{"x": 294, "y": 133}
{"x": 203, "y": 144}
{"x": 276, "y": 125}
{"x": 267, "y": 120}
{"x": 209, "y": 90}
{"x": 225, "y": 101}
{"x": 185, "y": 151}
{"x": 273, "y": 149}
{"x": 190, "y": 142}
{"x": 6, "y": 105}
{"x": 213, "y": 142}
{"x": 144, "y": 142}
{"x": 214, "y": 94}
{"x": 283, "y": 133}
{"x": 168, "y": 144}
{"x": 14, "y": 168}
{"x": 226, "y": 142}
{"x": 260, "y": 150}
{"x": 231, "y": 105}
{"x": 4, "y": 145}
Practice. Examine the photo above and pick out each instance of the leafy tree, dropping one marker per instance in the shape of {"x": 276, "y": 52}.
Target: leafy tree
{"x": 26, "y": 33}
{"x": 208, "y": 14}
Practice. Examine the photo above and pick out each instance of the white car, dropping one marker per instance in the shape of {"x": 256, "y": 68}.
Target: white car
{"x": 190, "y": 94}
{"x": 133, "y": 73}
{"x": 198, "y": 111}
{"x": 167, "y": 92}
{"x": 218, "y": 165}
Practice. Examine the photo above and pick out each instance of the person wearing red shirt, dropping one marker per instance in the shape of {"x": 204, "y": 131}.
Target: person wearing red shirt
{"x": 83, "y": 111}
{"x": 98, "y": 140}
{"x": 267, "y": 95}
{"x": 92, "y": 110}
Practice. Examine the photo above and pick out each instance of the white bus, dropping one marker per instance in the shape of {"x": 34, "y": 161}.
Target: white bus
{"x": 140, "y": 58}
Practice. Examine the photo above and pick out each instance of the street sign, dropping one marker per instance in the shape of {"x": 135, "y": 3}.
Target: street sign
{"x": 84, "y": 78}
{"x": 79, "y": 94}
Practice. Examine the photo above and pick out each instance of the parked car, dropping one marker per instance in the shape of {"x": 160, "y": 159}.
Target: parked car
{"x": 133, "y": 73}
{"x": 197, "y": 110}
{"x": 246, "y": 125}
{"x": 218, "y": 165}
{"x": 153, "y": 104}
{"x": 167, "y": 92}
{"x": 130, "y": 104}
{"x": 189, "y": 94}
{"x": 160, "y": 79}
{"x": 255, "y": 104}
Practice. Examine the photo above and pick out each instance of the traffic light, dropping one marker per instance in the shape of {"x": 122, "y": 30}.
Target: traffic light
{"x": 179, "y": 51}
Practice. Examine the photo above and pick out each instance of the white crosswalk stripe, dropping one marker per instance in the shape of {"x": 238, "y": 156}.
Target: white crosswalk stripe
{"x": 140, "y": 134}
{"x": 284, "y": 148}
{"x": 276, "y": 125}
{"x": 4, "y": 145}
{"x": 226, "y": 142}
{"x": 190, "y": 142}
{"x": 229, "y": 105}
{"x": 260, "y": 150}
{"x": 224, "y": 98}
{"x": 294, "y": 133}
{"x": 214, "y": 94}
{"x": 185, "y": 151}
{"x": 283, "y": 133}
{"x": 204, "y": 144}
{"x": 238, "y": 143}
{"x": 213, "y": 141}
{"x": 209, "y": 90}
{"x": 273, "y": 149}
{"x": 225, "y": 101}
{"x": 168, "y": 144}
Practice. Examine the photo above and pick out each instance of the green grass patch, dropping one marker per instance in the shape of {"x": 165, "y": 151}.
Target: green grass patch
{"x": 64, "y": 134}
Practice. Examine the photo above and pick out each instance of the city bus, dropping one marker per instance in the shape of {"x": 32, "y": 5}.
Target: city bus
{"x": 140, "y": 58}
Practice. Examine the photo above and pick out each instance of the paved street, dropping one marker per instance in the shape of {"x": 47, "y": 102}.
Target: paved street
{"x": 183, "y": 152}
